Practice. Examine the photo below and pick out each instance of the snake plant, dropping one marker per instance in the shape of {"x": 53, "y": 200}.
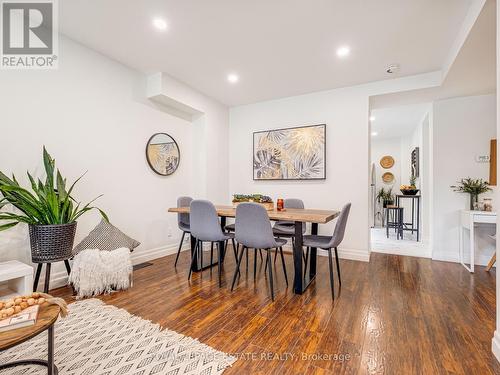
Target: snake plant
{"x": 48, "y": 202}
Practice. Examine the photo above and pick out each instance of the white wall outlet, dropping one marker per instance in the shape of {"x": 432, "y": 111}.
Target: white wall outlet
{"x": 169, "y": 233}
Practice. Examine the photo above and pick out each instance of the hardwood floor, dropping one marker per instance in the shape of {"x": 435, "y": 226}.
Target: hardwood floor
{"x": 394, "y": 315}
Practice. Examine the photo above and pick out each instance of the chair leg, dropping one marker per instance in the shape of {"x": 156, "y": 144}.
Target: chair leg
{"x": 234, "y": 249}
{"x": 37, "y": 276}
{"x": 220, "y": 247}
{"x": 338, "y": 266}
{"x": 179, "y": 251}
{"x": 261, "y": 258}
{"x": 330, "y": 262}
{"x": 270, "y": 273}
{"x": 211, "y": 253}
{"x": 47, "y": 278}
{"x": 283, "y": 262}
{"x": 265, "y": 268}
{"x": 237, "y": 271}
{"x": 247, "y": 261}
{"x": 306, "y": 257}
{"x": 200, "y": 250}
{"x": 255, "y": 263}
{"x": 193, "y": 259}
{"x": 275, "y": 255}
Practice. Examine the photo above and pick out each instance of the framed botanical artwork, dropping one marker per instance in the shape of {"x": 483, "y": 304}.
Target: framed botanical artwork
{"x": 290, "y": 154}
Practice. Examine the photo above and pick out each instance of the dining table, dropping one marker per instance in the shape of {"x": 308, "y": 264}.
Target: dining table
{"x": 299, "y": 216}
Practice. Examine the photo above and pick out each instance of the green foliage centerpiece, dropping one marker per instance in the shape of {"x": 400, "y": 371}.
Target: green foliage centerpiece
{"x": 263, "y": 200}
{"x": 473, "y": 187}
{"x": 49, "y": 210}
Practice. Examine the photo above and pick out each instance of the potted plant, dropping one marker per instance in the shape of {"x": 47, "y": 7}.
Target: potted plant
{"x": 385, "y": 197}
{"x": 49, "y": 210}
{"x": 473, "y": 187}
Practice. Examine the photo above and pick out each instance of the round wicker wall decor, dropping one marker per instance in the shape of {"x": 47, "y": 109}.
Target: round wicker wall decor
{"x": 388, "y": 177}
{"x": 387, "y": 162}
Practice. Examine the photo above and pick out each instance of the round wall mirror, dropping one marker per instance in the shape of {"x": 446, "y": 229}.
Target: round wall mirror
{"x": 163, "y": 154}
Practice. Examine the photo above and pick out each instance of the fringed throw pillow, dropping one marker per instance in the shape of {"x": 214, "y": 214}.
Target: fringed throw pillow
{"x": 95, "y": 272}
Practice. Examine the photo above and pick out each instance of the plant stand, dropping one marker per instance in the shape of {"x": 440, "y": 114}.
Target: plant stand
{"x": 48, "y": 266}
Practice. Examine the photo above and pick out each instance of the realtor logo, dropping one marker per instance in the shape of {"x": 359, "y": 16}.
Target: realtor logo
{"x": 29, "y": 34}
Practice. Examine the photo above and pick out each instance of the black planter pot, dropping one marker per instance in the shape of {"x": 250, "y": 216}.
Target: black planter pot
{"x": 51, "y": 243}
{"x": 388, "y": 203}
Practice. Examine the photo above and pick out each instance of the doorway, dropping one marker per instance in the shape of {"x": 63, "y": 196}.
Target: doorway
{"x": 400, "y": 180}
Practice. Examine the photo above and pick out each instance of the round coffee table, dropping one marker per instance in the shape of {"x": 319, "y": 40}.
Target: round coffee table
{"x": 47, "y": 316}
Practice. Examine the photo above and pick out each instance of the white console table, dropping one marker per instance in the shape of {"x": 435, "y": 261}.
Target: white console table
{"x": 468, "y": 220}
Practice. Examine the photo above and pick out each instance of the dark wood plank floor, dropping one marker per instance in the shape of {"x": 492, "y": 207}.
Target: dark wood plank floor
{"x": 394, "y": 315}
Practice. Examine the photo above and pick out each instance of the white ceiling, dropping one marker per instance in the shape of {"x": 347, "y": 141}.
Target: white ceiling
{"x": 397, "y": 121}
{"x": 473, "y": 72}
{"x": 278, "y": 47}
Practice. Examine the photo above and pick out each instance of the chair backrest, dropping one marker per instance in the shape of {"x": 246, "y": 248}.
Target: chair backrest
{"x": 205, "y": 224}
{"x": 291, "y": 203}
{"x": 183, "y": 218}
{"x": 252, "y": 227}
{"x": 338, "y": 234}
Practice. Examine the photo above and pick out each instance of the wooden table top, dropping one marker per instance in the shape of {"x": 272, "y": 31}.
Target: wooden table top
{"x": 290, "y": 214}
{"x": 47, "y": 315}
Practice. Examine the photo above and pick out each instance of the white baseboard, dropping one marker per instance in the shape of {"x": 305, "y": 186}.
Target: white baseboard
{"x": 60, "y": 278}
{"x": 495, "y": 345}
{"x": 350, "y": 254}
{"x": 446, "y": 258}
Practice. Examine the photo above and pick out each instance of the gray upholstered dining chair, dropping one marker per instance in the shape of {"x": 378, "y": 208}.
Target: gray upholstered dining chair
{"x": 182, "y": 222}
{"x": 330, "y": 242}
{"x": 205, "y": 227}
{"x": 253, "y": 230}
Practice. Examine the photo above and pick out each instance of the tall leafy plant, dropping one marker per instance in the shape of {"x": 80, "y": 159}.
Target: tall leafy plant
{"x": 48, "y": 202}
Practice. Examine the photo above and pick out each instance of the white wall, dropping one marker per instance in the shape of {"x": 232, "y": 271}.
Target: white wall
{"x": 92, "y": 114}
{"x": 495, "y": 342}
{"x": 345, "y": 113}
{"x": 462, "y": 129}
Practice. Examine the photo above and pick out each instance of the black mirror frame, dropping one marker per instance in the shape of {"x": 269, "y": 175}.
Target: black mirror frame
{"x": 149, "y": 161}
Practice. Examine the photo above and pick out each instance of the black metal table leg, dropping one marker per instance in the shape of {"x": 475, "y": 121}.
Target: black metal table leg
{"x": 313, "y": 253}
{"x": 301, "y": 281}
{"x": 298, "y": 281}
{"x": 418, "y": 218}
{"x": 49, "y": 363}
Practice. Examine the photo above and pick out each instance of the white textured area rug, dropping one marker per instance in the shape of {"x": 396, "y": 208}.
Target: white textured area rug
{"x": 96, "y": 338}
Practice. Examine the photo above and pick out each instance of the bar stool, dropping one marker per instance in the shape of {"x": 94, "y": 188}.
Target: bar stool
{"x": 394, "y": 217}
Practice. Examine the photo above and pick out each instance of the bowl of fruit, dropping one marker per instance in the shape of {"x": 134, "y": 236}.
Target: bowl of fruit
{"x": 409, "y": 189}
{"x": 263, "y": 200}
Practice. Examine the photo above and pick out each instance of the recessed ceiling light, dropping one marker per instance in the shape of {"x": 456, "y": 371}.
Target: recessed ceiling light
{"x": 343, "y": 51}
{"x": 160, "y": 24}
{"x": 374, "y": 134}
{"x": 372, "y": 118}
{"x": 233, "y": 78}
